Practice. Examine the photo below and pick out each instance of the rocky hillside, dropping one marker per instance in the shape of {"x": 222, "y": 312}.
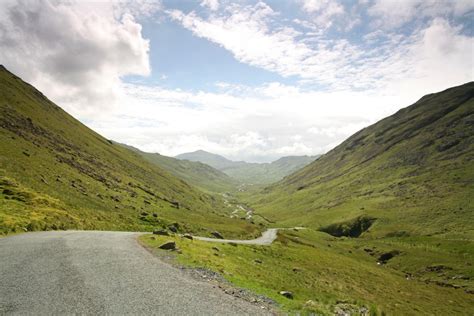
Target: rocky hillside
{"x": 410, "y": 173}
{"x": 55, "y": 173}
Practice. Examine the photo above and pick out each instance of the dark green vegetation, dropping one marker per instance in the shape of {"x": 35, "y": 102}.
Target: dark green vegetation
{"x": 250, "y": 173}
{"x": 196, "y": 173}
{"x": 390, "y": 218}
{"x": 56, "y": 173}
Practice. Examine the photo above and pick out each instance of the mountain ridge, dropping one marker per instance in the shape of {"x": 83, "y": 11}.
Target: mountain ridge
{"x": 247, "y": 172}
{"x": 414, "y": 162}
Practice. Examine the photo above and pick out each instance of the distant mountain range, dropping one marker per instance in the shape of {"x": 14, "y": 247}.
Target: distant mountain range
{"x": 194, "y": 172}
{"x": 250, "y": 173}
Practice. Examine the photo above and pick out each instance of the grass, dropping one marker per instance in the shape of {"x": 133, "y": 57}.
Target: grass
{"x": 326, "y": 273}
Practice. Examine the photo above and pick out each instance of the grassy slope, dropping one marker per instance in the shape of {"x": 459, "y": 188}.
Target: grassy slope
{"x": 196, "y": 173}
{"x": 251, "y": 173}
{"x": 325, "y": 273}
{"x": 413, "y": 171}
{"x": 56, "y": 173}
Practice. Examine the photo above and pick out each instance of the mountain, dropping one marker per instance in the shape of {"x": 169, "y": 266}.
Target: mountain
{"x": 409, "y": 174}
{"x": 196, "y": 173}
{"x": 250, "y": 173}
{"x": 213, "y": 160}
{"x": 55, "y": 173}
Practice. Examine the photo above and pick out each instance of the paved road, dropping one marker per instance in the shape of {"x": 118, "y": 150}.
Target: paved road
{"x": 266, "y": 239}
{"x": 51, "y": 273}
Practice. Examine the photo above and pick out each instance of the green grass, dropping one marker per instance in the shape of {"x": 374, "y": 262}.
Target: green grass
{"x": 71, "y": 177}
{"x": 325, "y": 272}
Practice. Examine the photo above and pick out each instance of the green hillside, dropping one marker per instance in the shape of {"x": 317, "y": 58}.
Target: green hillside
{"x": 55, "y": 173}
{"x": 409, "y": 174}
{"x": 250, "y": 173}
{"x": 196, "y": 173}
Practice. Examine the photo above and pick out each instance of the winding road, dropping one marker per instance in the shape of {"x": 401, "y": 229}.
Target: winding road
{"x": 92, "y": 272}
{"x": 266, "y": 239}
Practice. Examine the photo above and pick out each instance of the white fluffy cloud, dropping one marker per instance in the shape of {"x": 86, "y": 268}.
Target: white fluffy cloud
{"x": 74, "y": 52}
{"x": 380, "y": 61}
{"x": 391, "y": 13}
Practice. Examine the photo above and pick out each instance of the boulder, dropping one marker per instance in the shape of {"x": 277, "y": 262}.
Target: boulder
{"x": 188, "y": 236}
{"x": 173, "y": 227}
{"x": 169, "y": 245}
{"x": 161, "y": 232}
{"x": 217, "y": 235}
{"x": 287, "y": 294}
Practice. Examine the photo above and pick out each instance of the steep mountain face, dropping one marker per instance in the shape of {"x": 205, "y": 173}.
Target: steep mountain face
{"x": 250, "y": 173}
{"x": 410, "y": 173}
{"x": 196, "y": 173}
{"x": 55, "y": 173}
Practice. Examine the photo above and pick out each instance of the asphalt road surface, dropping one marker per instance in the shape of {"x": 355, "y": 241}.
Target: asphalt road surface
{"x": 91, "y": 272}
{"x": 266, "y": 239}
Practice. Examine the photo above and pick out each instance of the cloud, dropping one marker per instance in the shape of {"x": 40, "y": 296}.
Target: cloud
{"x": 73, "y": 52}
{"x": 324, "y": 11}
{"x": 255, "y": 35}
{"x": 394, "y": 14}
{"x": 252, "y": 123}
{"x": 213, "y": 5}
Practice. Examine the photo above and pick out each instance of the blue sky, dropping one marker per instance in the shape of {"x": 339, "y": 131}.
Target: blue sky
{"x": 250, "y": 80}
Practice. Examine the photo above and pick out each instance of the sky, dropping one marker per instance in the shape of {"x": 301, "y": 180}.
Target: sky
{"x": 250, "y": 80}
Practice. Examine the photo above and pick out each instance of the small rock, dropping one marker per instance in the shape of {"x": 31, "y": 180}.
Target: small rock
{"x": 217, "y": 235}
{"x": 258, "y": 261}
{"x": 287, "y": 294}
{"x": 188, "y": 236}
{"x": 296, "y": 269}
{"x": 173, "y": 227}
{"x": 215, "y": 248}
{"x": 169, "y": 245}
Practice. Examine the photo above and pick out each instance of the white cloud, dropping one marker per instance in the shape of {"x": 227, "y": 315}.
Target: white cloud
{"x": 380, "y": 62}
{"x": 250, "y": 124}
{"x": 74, "y": 53}
{"x": 324, "y": 11}
{"x": 393, "y": 14}
{"x": 213, "y": 5}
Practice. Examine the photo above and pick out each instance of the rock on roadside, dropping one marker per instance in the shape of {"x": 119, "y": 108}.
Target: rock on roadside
{"x": 169, "y": 245}
{"x": 217, "y": 235}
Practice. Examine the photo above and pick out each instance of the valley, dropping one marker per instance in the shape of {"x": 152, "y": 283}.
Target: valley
{"x": 380, "y": 225}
